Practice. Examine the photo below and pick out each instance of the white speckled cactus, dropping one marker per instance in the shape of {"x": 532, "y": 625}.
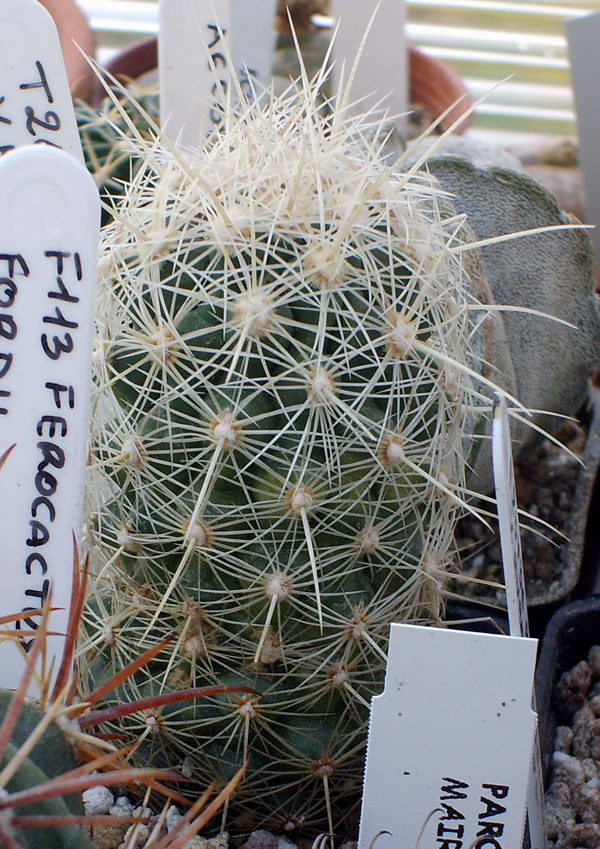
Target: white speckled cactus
{"x": 286, "y": 403}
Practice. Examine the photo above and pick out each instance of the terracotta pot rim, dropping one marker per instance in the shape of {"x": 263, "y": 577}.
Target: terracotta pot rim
{"x": 129, "y": 64}
{"x": 75, "y": 35}
{"x": 436, "y": 86}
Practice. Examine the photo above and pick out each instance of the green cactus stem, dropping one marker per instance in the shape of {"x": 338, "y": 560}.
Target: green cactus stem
{"x": 287, "y": 391}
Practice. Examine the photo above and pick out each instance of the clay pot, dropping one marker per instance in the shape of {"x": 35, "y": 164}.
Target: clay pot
{"x": 74, "y": 33}
{"x": 570, "y": 634}
{"x": 300, "y": 12}
{"x": 132, "y": 62}
{"x": 434, "y": 86}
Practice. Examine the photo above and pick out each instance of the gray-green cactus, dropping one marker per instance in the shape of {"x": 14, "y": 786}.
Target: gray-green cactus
{"x": 545, "y": 362}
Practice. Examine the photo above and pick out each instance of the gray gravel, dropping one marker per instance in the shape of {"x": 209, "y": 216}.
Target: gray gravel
{"x": 573, "y": 796}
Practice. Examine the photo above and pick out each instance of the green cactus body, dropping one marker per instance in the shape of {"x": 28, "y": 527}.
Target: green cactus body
{"x": 103, "y": 131}
{"x": 285, "y": 393}
{"x": 52, "y": 756}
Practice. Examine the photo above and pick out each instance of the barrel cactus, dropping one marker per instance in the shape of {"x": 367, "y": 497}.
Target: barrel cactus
{"x": 289, "y": 380}
{"x": 43, "y": 783}
{"x": 27, "y": 763}
{"x": 41, "y": 775}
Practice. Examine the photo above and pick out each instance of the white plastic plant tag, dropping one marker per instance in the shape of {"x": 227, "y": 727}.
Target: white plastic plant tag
{"x": 49, "y": 225}
{"x": 253, "y": 40}
{"x": 514, "y": 579}
{"x": 382, "y": 73}
{"x": 583, "y": 36}
{"x": 508, "y": 521}
{"x": 35, "y": 101}
{"x": 450, "y": 742}
{"x": 197, "y": 47}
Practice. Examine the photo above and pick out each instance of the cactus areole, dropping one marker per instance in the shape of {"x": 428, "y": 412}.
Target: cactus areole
{"x": 287, "y": 392}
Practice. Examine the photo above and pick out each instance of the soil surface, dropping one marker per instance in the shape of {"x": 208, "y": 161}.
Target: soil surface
{"x": 545, "y": 481}
{"x": 573, "y": 795}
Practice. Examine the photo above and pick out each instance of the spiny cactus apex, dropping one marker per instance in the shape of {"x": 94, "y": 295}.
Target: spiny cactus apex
{"x": 286, "y": 401}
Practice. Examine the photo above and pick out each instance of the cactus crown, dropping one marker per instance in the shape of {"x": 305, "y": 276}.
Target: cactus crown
{"x": 286, "y": 402}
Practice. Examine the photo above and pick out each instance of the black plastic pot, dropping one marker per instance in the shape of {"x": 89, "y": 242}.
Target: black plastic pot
{"x": 468, "y": 616}
{"x": 570, "y": 634}
{"x": 572, "y": 553}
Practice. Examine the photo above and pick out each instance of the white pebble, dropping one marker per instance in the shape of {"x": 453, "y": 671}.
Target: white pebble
{"x": 563, "y": 739}
{"x": 221, "y": 841}
{"x": 284, "y": 843}
{"x": 173, "y": 817}
{"x": 142, "y": 833}
{"x": 558, "y": 822}
{"x": 122, "y": 807}
{"x": 97, "y": 800}
{"x": 568, "y": 766}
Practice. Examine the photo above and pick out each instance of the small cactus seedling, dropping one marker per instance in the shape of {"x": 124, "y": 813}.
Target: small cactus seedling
{"x": 104, "y": 128}
{"x": 287, "y": 395}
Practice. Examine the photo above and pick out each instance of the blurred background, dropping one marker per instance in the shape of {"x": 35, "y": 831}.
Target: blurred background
{"x": 483, "y": 40}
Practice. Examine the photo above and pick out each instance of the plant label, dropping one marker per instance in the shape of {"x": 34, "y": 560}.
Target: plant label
{"x": 35, "y": 101}
{"x": 514, "y": 579}
{"x": 49, "y": 225}
{"x": 253, "y": 40}
{"x": 450, "y": 742}
{"x": 375, "y": 27}
{"x": 583, "y": 35}
{"x": 202, "y": 53}
{"x": 508, "y": 521}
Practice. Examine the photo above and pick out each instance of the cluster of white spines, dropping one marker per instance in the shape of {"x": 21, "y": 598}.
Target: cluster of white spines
{"x": 286, "y": 326}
